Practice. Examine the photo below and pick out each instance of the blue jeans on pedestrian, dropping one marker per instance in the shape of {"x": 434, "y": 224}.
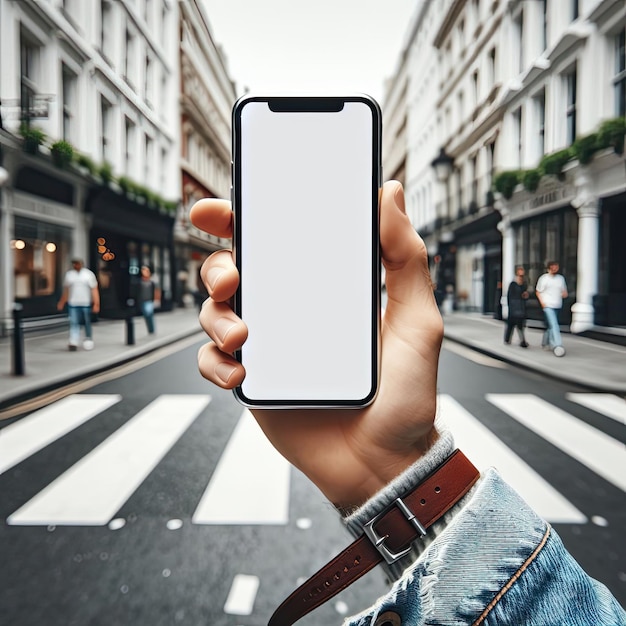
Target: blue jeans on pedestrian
{"x": 552, "y": 336}
{"x": 147, "y": 310}
{"x": 78, "y": 315}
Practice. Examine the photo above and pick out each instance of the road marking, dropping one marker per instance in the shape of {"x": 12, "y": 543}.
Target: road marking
{"x": 242, "y": 595}
{"x": 95, "y": 488}
{"x": 599, "y": 452}
{"x": 473, "y": 355}
{"x": 240, "y": 493}
{"x": 486, "y": 449}
{"x": 606, "y": 403}
{"x": 34, "y": 432}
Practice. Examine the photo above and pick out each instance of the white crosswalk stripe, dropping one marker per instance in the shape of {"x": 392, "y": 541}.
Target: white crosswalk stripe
{"x": 94, "y": 489}
{"x": 604, "y": 403}
{"x": 237, "y": 495}
{"x": 484, "y": 449}
{"x": 22, "y": 439}
{"x": 599, "y": 452}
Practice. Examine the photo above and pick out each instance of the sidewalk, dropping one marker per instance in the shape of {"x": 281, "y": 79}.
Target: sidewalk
{"x": 588, "y": 362}
{"x": 49, "y": 363}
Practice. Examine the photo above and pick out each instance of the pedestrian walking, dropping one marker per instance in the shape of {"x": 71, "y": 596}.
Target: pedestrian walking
{"x": 551, "y": 289}
{"x": 80, "y": 293}
{"x": 148, "y": 293}
{"x": 517, "y": 294}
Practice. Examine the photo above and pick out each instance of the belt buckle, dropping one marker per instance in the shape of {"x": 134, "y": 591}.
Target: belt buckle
{"x": 379, "y": 542}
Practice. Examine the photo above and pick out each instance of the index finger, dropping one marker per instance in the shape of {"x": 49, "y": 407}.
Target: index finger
{"x": 213, "y": 216}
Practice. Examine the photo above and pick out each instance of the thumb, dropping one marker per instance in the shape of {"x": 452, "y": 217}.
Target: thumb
{"x": 409, "y": 286}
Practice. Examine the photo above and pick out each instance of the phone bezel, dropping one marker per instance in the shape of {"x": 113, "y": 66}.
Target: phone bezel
{"x": 300, "y": 103}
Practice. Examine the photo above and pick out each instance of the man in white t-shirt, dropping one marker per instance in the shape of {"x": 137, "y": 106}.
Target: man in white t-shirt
{"x": 80, "y": 292}
{"x": 550, "y": 290}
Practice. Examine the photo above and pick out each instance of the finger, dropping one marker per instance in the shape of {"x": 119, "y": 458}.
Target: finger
{"x": 409, "y": 285}
{"x": 220, "y": 275}
{"x": 221, "y": 369}
{"x": 223, "y": 326}
{"x": 213, "y": 216}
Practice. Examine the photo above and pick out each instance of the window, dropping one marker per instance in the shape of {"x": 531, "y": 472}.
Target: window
{"x": 148, "y": 161}
{"x": 461, "y": 30}
{"x": 493, "y": 76}
{"x": 474, "y": 173}
{"x": 461, "y": 106}
{"x": 574, "y": 9}
{"x": 570, "y": 111}
{"x": 475, "y": 87}
{"x": 147, "y": 81}
{"x": 105, "y": 129}
{"x": 129, "y": 59}
{"x": 105, "y": 29}
{"x": 29, "y": 69}
{"x": 518, "y": 25}
{"x": 540, "y": 117}
{"x": 68, "y": 79}
{"x": 619, "y": 81}
{"x": 129, "y": 140}
{"x": 517, "y": 120}
{"x": 544, "y": 24}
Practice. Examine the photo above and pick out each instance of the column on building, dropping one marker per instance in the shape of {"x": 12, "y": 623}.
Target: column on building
{"x": 587, "y": 205}
{"x": 508, "y": 253}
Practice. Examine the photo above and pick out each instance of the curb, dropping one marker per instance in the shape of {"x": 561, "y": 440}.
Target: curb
{"x": 538, "y": 369}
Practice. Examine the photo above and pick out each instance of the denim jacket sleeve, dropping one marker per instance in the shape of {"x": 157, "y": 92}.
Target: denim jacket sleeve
{"x": 489, "y": 561}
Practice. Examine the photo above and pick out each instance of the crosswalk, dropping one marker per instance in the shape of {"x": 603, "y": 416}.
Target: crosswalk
{"x": 95, "y": 488}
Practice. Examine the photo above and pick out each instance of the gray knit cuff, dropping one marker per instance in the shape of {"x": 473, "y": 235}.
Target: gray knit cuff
{"x": 399, "y": 487}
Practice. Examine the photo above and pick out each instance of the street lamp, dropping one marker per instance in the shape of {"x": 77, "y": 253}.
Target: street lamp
{"x": 442, "y": 165}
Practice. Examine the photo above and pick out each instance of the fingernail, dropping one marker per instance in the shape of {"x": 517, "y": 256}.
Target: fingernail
{"x": 213, "y": 276}
{"x": 224, "y": 371}
{"x": 222, "y": 327}
{"x": 398, "y": 198}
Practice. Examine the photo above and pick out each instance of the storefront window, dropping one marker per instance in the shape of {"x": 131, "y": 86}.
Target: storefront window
{"x": 569, "y": 260}
{"x": 40, "y": 252}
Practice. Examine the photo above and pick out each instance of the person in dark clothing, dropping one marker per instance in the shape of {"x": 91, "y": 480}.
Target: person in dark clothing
{"x": 148, "y": 293}
{"x": 517, "y": 295}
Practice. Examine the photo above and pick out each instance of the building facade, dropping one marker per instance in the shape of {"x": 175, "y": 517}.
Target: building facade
{"x": 518, "y": 87}
{"x": 207, "y": 96}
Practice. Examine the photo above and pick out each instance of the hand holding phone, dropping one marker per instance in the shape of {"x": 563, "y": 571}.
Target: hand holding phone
{"x": 348, "y": 453}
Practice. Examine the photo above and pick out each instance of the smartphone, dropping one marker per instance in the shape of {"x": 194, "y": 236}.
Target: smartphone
{"x": 306, "y": 181}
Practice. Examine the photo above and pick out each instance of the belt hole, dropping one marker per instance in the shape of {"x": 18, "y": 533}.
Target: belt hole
{"x": 437, "y": 489}
{"x": 422, "y": 501}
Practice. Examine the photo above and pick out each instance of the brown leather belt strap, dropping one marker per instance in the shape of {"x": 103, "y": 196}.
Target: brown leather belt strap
{"x": 387, "y": 537}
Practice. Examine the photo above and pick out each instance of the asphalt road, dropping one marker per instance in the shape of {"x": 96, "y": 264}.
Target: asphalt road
{"x": 162, "y": 505}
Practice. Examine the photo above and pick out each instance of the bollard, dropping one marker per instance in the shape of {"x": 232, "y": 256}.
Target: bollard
{"x": 130, "y": 324}
{"x": 18, "y": 340}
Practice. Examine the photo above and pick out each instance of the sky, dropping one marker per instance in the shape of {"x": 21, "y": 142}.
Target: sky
{"x": 310, "y": 45}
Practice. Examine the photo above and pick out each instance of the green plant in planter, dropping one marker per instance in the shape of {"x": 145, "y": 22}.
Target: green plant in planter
{"x": 62, "y": 153}
{"x": 83, "y": 161}
{"x": 505, "y": 183}
{"x": 33, "y": 138}
{"x": 553, "y": 164}
{"x": 106, "y": 173}
{"x": 126, "y": 184}
{"x": 611, "y": 134}
{"x": 531, "y": 179}
{"x": 584, "y": 148}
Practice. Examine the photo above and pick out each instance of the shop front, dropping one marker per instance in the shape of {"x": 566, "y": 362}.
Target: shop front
{"x": 125, "y": 235}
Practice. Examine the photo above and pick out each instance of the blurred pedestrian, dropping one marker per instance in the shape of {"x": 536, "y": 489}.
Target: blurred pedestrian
{"x": 80, "y": 293}
{"x": 551, "y": 289}
{"x": 517, "y": 295}
{"x": 148, "y": 293}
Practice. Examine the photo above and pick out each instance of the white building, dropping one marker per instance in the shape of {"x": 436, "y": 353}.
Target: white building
{"x": 207, "y": 96}
{"x": 514, "y": 81}
{"x": 101, "y": 75}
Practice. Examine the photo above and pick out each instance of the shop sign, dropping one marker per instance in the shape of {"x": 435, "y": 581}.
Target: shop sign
{"x": 548, "y": 197}
{"x": 30, "y": 206}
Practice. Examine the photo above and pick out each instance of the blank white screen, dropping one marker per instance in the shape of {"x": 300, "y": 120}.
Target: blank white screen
{"x": 307, "y": 253}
